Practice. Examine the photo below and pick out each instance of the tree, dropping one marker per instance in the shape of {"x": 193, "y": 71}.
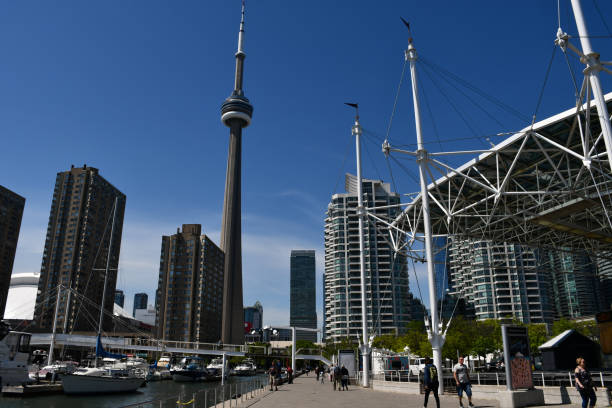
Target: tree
{"x": 386, "y": 341}
{"x": 537, "y": 336}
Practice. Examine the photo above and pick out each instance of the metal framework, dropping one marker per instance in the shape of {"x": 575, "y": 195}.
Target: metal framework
{"x": 549, "y": 185}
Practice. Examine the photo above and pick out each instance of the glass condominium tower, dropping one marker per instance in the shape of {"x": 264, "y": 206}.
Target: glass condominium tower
{"x": 501, "y": 280}
{"x": 303, "y": 312}
{"x": 387, "y": 291}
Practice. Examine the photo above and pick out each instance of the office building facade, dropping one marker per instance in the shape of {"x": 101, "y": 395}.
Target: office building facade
{"x": 119, "y": 297}
{"x": 140, "y": 302}
{"x": 76, "y": 249}
{"x": 253, "y": 318}
{"x": 303, "y": 294}
{"x": 387, "y": 291}
{"x": 189, "y": 297}
{"x": 11, "y": 212}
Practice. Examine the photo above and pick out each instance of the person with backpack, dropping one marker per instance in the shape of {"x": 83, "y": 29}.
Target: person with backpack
{"x": 430, "y": 381}
{"x": 344, "y": 375}
{"x": 337, "y": 378}
{"x": 272, "y": 374}
{"x": 462, "y": 377}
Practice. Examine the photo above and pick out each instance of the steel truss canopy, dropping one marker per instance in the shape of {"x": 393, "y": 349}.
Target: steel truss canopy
{"x": 549, "y": 185}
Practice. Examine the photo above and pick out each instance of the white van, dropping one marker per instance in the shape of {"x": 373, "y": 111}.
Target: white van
{"x": 416, "y": 366}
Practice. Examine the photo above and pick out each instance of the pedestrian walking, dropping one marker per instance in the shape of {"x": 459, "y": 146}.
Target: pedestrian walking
{"x": 322, "y": 369}
{"x": 584, "y": 384}
{"x": 337, "y": 378}
{"x": 272, "y": 377}
{"x": 344, "y": 377}
{"x": 317, "y": 372}
{"x": 430, "y": 382}
{"x": 290, "y": 374}
{"x": 461, "y": 373}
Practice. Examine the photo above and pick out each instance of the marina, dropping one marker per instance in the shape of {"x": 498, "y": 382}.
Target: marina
{"x": 490, "y": 225}
{"x": 164, "y": 391}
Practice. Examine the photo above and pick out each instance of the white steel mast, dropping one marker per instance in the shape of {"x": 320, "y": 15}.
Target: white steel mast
{"x": 593, "y": 66}
{"x": 434, "y": 331}
{"x": 108, "y": 256}
{"x": 361, "y": 214}
{"x": 52, "y": 345}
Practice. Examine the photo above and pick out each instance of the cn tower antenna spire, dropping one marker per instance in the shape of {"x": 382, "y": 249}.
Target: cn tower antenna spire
{"x": 236, "y": 113}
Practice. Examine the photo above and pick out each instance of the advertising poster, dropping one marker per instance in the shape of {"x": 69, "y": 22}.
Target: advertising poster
{"x": 517, "y": 356}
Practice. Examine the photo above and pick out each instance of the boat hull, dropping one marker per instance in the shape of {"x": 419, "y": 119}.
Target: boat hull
{"x": 86, "y": 384}
{"x": 188, "y": 376}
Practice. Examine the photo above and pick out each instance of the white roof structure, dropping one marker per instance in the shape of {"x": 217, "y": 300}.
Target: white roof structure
{"x": 119, "y": 311}
{"x": 21, "y": 299}
{"x": 556, "y": 340}
{"x": 549, "y": 185}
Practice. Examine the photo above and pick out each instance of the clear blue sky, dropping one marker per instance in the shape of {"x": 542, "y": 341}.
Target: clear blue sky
{"x": 134, "y": 89}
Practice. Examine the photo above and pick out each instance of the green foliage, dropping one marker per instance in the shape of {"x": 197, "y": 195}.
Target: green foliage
{"x": 306, "y": 347}
{"x": 330, "y": 349}
{"x": 537, "y": 336}
{"x": 587, "y": 328}
{"x": 467, "y": 337}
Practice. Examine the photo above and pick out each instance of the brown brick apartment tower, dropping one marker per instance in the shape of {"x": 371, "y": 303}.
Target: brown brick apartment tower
{"x": 76, "y": 249}
{"x": 189, "y": 298}
{"x": 11, "y": 211}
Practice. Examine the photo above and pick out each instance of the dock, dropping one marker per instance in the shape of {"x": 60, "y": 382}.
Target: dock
{"x": 32, "y": 389}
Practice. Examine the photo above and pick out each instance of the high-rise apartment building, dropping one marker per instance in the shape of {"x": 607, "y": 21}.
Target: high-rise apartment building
{"x": 189, "y": 298}
{"x": 387, "y": 291}
{"x": 253, "y": 317}
{"x": 303, "y": 294}
{"x": 500, "y": 280}
{"x": 604, "y": 274}
{"x": 76, "y": 249}
{"x": 575, "y": 289}
{"x": 140, "y": 302}
{"x": 11, "y": 211}
{"x": 119, "y": 297}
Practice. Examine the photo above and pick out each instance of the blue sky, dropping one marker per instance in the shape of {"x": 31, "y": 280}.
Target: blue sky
{"x": 134, "y": 89}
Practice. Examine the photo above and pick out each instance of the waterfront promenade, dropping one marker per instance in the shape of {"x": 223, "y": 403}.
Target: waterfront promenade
{"x": 306, "y": 392}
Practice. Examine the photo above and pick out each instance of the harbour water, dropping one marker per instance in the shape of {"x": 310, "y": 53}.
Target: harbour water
{"x": 168, "y": 391}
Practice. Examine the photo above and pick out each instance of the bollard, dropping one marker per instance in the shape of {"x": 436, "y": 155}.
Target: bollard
{"x": 478, "y": 375}
{"x": 601, "y": 378}
{"x": 215, "y": 396}
{"x": 206, "y": 399}
{"x": 497, "y": 378}
{"x": 570, "y": 378}
{"x": 543, "y": 379}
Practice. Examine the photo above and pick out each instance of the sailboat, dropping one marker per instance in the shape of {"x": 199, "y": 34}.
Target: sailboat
{"x": 102, "y": 380}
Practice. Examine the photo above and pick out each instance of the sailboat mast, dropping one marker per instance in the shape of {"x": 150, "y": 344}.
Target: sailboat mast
{"x": 108, "y": 256}
{"x": 52, "y": 345}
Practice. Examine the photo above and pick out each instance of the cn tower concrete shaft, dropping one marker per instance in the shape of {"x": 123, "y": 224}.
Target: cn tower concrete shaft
{"x": 232, "y": 329}
{"x": 236, "y": 113}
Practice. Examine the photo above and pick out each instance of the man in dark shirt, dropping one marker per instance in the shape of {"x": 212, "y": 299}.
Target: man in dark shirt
{"x": 430, "y": 381}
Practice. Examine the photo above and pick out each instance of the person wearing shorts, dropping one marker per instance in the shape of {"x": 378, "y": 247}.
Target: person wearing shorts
{"x": 461, "y": 373}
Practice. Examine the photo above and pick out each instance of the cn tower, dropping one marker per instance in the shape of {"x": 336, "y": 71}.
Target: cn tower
{"x": 236, "y": 114}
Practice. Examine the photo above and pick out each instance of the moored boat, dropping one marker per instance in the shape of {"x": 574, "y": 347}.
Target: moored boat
{"x": 14, "y": 355}
{"x": 245, "y": 368}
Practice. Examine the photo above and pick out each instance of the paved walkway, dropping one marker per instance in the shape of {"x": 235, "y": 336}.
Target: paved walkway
{"x": 306, "y": 392}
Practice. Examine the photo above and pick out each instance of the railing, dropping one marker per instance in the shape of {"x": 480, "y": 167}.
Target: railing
{"x": 228, "y": 395}
{"x": 135, "y": 343}
{"x": 540, "y": 378}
